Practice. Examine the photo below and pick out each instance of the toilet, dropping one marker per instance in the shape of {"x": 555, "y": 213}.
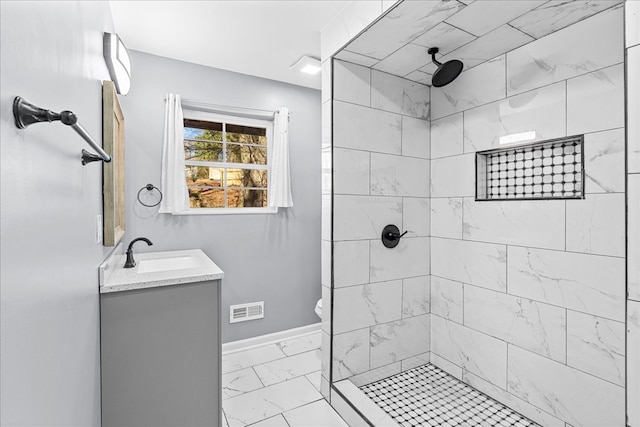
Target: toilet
{"x": 319, "y": 308}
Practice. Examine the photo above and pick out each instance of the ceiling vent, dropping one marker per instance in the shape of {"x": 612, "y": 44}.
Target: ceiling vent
{"x": 244, "y": 312}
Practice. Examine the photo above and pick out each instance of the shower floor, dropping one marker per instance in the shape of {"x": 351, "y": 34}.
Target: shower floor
{"x": 428, "y": 396}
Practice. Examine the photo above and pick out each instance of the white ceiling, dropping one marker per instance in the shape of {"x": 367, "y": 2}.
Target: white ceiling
{"x": 259, "y": 38}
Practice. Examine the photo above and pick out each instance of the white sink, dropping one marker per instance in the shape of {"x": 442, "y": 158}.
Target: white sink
{"x": 154, "y": 269}
{"x": 166, "y": 264}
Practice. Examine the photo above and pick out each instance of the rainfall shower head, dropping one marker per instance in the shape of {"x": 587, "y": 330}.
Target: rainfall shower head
{"x": 447, "y": 72}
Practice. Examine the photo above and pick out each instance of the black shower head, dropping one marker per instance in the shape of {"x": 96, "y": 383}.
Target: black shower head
{"x": 447, "y": 72}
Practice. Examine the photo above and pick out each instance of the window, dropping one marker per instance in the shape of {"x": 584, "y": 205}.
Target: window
{"x": 226, "y": 162}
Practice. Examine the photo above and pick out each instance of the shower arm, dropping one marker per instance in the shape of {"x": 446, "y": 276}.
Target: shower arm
{"x": 432, "y": 51}
{"x": 26, "y": 114}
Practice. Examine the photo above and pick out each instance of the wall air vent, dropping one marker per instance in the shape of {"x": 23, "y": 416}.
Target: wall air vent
{"x": 244, "y": 312}
{"x": 542, "y": 170}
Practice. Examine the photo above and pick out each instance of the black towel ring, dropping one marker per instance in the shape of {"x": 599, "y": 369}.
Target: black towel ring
{"x": 150, "y": 187}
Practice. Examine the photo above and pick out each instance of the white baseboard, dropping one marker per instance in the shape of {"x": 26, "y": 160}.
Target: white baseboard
{"x": 241, "y": 345}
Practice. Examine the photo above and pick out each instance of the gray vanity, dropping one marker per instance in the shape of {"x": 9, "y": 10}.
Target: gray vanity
{"x": 160, "y": 340}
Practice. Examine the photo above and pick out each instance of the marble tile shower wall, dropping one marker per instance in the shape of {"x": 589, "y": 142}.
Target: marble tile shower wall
{"x": 632, "y": 43}
{"x": 528, "y": 297}
{"x": 380, "y": 176}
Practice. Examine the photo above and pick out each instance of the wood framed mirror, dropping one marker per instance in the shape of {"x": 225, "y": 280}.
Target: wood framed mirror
{"x": 112, "y": 173}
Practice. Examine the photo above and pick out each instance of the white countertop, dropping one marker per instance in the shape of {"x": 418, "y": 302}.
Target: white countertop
{"x": 115, "y": 278}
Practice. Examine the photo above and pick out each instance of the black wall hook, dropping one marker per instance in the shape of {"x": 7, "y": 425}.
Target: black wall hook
{"x": 391, "y": 236}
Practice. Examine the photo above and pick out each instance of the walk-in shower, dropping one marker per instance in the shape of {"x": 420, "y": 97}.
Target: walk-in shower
{"x": 511, "y": 309}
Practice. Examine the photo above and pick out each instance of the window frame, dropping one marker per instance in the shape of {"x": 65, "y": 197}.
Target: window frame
{"x": 236, "y": 120}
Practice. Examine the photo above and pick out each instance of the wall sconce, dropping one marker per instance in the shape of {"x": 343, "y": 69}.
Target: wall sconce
{"x": 118, "y": 63}
{"x": 307, "y": 64}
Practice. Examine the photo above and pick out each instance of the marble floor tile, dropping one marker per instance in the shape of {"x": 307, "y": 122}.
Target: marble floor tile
{"x": 269, "y": 401}
{"x": 287, "y": 368}
{"x": 277, "y": 421}
{"x": 244, "y": 359}
{"x": 240, "y": 382}
{"x": 316, "y": 414}
{"x": 300, "y": 344}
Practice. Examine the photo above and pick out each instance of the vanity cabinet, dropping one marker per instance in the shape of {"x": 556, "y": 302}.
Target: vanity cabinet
{"x": 161, "y": 354}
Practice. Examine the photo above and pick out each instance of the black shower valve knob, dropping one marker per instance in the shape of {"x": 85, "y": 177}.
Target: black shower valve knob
{"x": 391, "y": 236}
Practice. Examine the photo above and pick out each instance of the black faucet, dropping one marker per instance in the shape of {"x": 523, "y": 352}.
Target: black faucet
{"x": 130, "y": 261}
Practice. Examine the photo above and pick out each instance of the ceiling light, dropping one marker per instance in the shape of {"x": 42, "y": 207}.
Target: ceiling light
{"x": 118, "y": 62}
{"x": 307, "y": 64}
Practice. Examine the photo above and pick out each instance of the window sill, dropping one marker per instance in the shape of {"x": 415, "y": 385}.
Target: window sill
{"x": 228, "y": 211}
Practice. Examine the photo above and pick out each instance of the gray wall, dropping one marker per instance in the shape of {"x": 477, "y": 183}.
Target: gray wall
{"x": 49, "y": 325}
{"x": 272, "y": 257}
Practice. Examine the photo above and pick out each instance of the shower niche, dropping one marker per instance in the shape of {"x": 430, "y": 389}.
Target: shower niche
{"x": 537, "y": 171}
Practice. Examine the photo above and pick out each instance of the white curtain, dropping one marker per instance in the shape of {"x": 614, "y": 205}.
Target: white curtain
{"x": 280, "y": 178}
{"x": 174, "y": 187}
